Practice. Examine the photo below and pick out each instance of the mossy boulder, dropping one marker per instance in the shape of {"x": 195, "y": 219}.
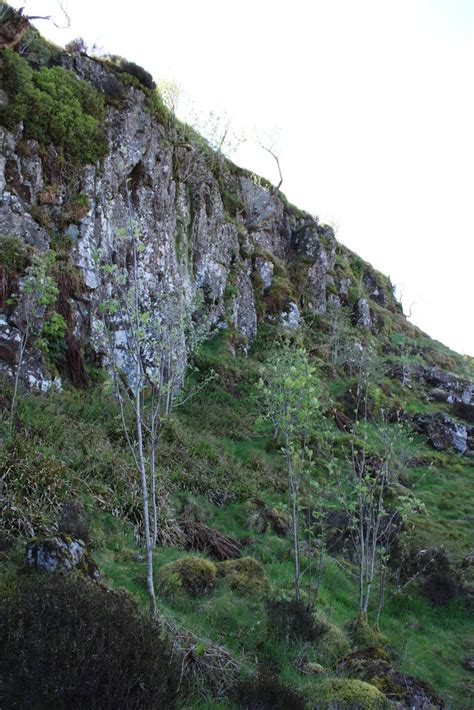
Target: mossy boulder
{"x": 350, "y": 694}
{"x": 246, "y": 576}
{"x": 60, "y": 553}
{"x": 193, "y": 575}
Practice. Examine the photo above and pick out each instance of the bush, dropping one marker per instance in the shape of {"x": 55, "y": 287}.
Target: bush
{"x": 292, "y": 620}
{"x": 35, "y": 485}
{"x": 194, "y": 575}
{"x": 124, "y": 66}
{"x": 72, "y": 521}
{"x": 68, "y": 643}
{"x": 55, "y": 107}
{"x": 14, "y": 259}
{"x": 267, "y": 692}
{"x": 245, "y": 576}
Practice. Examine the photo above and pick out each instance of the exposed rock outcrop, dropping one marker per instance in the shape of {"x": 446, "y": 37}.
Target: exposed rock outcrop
{"x": 60, "y": 553}
{"x": 196, "y": 244}
{"x": 443, "y": 432}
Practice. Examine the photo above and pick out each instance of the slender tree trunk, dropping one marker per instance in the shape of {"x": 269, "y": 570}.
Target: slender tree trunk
{"x": 146, "y": 516}
{"x": 310, "y": 581}
{"x": 153, "y": 482}
{"x": 16, "y": 383}
{"x": 382, "y": 595}
{"x": 294, "y": 523}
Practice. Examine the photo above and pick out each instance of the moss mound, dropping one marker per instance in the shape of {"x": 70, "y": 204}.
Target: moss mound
{"x": 349, "y": 694}
{"x": 55, "y": 106}
{"x": 245, "y": 576}
{"x": 334, "y": 645}
{"x": 193, "y": 575}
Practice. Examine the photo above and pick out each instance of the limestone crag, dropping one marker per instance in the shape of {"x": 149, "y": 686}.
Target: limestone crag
{"x": 193, "y": 248}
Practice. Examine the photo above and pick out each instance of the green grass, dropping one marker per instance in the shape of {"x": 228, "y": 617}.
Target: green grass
{"x": 230, "y": 449}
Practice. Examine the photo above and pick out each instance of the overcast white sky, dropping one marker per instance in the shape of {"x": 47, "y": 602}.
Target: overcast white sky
{"x": 373, "y": 105}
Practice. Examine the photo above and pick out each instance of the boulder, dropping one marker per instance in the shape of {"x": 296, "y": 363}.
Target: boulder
{"x": 291, "y": 317}
{"x": 442, "y": 432}
{"x": 363, "y": 316}
{"x": 60, "y": 553}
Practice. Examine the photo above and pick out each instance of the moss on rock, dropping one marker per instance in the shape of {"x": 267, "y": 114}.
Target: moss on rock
{"x": 245, "y": 576}
{"x": 350, "y": 694}
{"x": 192, "y": 574}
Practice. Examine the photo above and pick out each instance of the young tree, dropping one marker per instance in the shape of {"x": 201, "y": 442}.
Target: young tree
{"x": 373, "y": 465}
{"x": 289, "y": 391}
{"x": 145, "y": 353}
{"x": 38, "y": 291}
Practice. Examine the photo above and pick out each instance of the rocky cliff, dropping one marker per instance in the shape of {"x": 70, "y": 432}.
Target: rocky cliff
{"x": 220, "y": 244}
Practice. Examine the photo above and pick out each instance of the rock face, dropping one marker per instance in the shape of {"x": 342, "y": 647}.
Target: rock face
{"x": 60, "y": 554}
{"x": 194, "y": 249}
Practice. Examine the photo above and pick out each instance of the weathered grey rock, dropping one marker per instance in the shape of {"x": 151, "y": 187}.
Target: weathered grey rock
{"x": 374, "y": 288}
{"x": 244, "y": 315}
{"x": 449, "y": 386}
{"x": 317, "y": 242}
{"x": 291, "y": 318}
{"x": 344, "y": 285}
{"x": 60, "y": 554}
{"x": 363, "y": 317}
{"x": 265, "y": 268}
{"x": 443, "y": 432}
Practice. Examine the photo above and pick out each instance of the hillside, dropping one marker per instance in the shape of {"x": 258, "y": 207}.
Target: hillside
{"x": 113, "y": 211}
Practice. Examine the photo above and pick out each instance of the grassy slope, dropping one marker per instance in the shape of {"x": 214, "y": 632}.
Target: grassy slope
{"x": 227, "y": 449}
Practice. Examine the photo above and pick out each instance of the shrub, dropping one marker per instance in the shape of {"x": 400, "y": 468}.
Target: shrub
{"x": 349, "y": 694}
{"x": 34, "y": 487}
{"x": 135, "y": 70}
{"x": 55, "y": 106}
{"x": 245, "y": 576}
{"x": 292, "y": 620}
{"x": 66, "y": 642}
{"x": 72, "y": 521}
{"x": 14, "y": 259}
{"x": 192, "y": 574}
{"x": 267, "y": 692}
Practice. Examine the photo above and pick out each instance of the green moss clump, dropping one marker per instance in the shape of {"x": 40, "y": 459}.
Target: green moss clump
{"x": 232, "y": 203}
{"x": 13, "y": 255}
{"x": 333, "y": 645}
{"x": 55, "y": 107}
{"x": 365, "y": 636}
{"x": 192, "y": 574}
{"x": 245, "y": 576}
{"x": 350, "y": 694}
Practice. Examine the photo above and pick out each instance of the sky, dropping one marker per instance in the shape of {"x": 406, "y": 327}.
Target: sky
{"x": 369, "y": 105}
